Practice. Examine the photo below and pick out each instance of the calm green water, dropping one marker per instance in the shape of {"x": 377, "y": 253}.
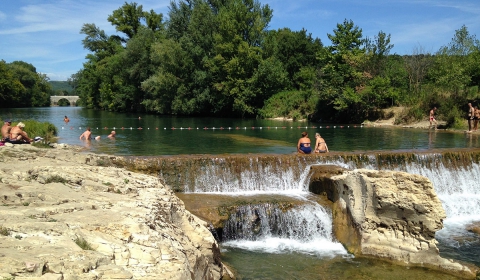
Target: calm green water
{"x": 257, "y": 265}
{"x": 230, "y": 136}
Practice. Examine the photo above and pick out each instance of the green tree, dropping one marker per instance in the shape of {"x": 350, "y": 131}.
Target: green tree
{"x": 111, "y": 79}
{"x": 128, "y": 20}
{"x": 36, "y": 88}
{"x": 10, "y": 87}
{"x": 294, "y": 49}
{"x": 241, "y": 27}
{"x": 342, "y": 79}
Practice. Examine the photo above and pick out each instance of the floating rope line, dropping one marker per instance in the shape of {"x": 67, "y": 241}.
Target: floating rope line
{"x": 230, "y": 128}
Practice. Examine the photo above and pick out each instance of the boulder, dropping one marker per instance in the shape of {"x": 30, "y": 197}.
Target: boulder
{"x": 386, "y": 214}
{"x": 64, "y": 217}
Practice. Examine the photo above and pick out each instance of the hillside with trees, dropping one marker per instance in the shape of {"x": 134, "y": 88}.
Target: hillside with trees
{"x": 61, "y": 88}
{"x": 219, "y": 58}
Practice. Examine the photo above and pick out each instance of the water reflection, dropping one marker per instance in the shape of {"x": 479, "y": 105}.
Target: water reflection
{"x": 431, "y": 138}
{"x": 471, "y": 140}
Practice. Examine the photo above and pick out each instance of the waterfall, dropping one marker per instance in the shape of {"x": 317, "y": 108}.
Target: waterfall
{"x": 263, "y": 227}
{"x": 250, "y": 181}
{"x": 458, "y": 189}
{"x": 454, "y": 174}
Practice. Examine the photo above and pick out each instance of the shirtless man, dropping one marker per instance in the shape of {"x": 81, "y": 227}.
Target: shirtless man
{"x": 432, "y": 118}
{"x": 476, "y": 117}
{"x": 320, "y": 144}
{"x": 112, "y": 135}
{"x": 7, "y": 125}
{"x": 87, "y": 134}
{"x": 17, "y": 135}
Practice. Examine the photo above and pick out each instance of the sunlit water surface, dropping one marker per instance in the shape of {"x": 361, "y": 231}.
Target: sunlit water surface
{"x": 139, "y": 134}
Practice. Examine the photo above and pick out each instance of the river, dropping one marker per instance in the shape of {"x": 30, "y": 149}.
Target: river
{"x": 151, "y": 135}
{"x": 274, "y": 258}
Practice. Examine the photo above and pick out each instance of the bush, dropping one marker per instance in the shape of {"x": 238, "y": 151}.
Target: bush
{"x": 455, "y": 119}
{"x": 82, "y": 243}
{"x": 290, "y": 104}
{"x": 4, "y": 231}
{"x": 55, "y": 179}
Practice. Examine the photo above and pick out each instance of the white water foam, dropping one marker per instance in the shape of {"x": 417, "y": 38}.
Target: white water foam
{"x": 320, "y": 247}
{"x": 248, "y": 182}
{"x": 458, "y": 189}
{"x": 305, "y": 229}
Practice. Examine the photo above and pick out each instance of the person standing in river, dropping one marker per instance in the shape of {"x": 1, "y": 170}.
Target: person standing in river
{"x": 87, "y": 135}
{"x": 303, "y": 146}
{"x": 432, "y": 118}
{"x": 471, "y": 114}
{"x": 476, "y": 117}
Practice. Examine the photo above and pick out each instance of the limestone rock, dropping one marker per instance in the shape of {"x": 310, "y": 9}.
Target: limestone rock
{"x": 391, "y": 215}
{"x": 65, "y": 217}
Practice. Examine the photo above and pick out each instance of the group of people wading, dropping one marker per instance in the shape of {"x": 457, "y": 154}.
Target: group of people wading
{"x": 304, "y": 144}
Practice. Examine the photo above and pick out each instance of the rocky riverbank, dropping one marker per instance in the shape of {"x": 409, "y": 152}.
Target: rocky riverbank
{"x": 65, "y": 216}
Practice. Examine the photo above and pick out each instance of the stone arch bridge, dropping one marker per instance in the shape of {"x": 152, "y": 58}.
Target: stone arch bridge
{"x": 72, "y": 99}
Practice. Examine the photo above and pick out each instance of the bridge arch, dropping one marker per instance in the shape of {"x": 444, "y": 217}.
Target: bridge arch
{"x": 72, "y": 99}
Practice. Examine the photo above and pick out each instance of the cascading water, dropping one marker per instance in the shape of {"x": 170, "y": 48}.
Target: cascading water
{"x": 459, "y": 191}
{"x": 260, "y": 180}
{"x": 306, "y": 228}
{"x": 458, "y": 188}
{"x": 455, "y": 176}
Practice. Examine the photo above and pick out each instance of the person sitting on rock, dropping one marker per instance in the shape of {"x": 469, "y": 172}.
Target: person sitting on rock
{"x": 18, "y": 136}
{"x": 7, "y": 125}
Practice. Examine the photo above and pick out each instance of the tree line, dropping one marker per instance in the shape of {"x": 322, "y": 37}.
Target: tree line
{"x": 219, "y": 58}
{"x": 22, "y": 86}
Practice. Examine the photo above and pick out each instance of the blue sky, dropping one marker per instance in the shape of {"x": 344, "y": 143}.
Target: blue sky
{"x": 46, "y": 33}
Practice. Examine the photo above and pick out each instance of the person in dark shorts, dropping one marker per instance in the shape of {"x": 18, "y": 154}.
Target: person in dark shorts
{"x": 471, "y": 114}
{"x": 476, "y": 117}
{"x": 18, "y": 136}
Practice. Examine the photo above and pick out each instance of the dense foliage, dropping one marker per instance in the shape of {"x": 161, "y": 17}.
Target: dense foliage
{"x": 22, "y": 86}
{"x": 219, "y": 58}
